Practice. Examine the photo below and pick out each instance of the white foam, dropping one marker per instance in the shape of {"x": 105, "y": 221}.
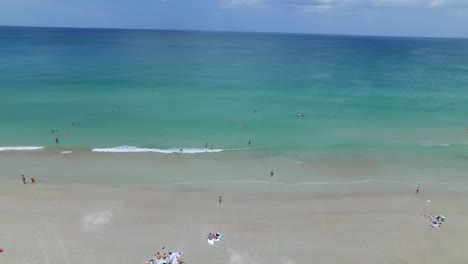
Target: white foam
{"x": 240, "y": 257}
{"x": 96, "y": 220}
{"x": 66, "y": 152}
{"x": 131, "y": 149}
{"x": 18, "y": 148}
{"x": 432, "y": 144}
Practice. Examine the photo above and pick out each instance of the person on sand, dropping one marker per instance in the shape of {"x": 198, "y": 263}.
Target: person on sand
{"x": 220, "y": 199}
{"x": 417, "y": 190}
{"x": 172, "y": 258}
{"x": 158, "y": 257}
{"x": 176, "y": 258}
{"x": 179, "y": 258}
{"x": 33, "y": 180}
{"x": 24, "y": 179}
{"x": 164, "y": 259}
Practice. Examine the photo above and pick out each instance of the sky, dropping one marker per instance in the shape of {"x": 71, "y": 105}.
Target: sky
{"x": 430, "y": 18}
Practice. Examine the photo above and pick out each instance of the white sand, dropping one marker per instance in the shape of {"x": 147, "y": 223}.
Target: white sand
{"x": 86, "y": 223}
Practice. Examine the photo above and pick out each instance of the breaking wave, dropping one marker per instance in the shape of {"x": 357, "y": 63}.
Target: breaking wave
{"x": 131, "y": 149}
{"x": 19, "y": 148}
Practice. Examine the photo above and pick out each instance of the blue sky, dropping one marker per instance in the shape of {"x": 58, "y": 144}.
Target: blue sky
{"x": 440, "y": 18}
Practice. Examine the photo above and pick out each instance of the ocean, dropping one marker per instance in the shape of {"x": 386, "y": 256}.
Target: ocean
{"x": 112, "y": 90}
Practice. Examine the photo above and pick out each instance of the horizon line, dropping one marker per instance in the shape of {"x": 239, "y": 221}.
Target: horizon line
{"x": 237, "y": 32}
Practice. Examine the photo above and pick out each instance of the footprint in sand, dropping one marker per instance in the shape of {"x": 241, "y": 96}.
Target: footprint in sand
{"x": 96, "y": 220}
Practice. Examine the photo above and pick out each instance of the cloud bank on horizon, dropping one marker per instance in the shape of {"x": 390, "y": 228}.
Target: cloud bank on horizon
{"x": 439, "y": 18}
{"x": 348, "y": 3}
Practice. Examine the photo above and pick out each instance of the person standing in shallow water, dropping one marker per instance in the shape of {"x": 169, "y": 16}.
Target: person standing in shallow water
{"x": 249, "y": 142}
{"x": 272, "y": 173}
{"x": 56, "y": 140}
{"x": 417, "y": 190}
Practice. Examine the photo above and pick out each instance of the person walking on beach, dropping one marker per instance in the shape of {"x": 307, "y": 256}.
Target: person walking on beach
{"x": 24, "y": 179}
{"x": 220, "y": 199}
{"x": 417, "y": 190}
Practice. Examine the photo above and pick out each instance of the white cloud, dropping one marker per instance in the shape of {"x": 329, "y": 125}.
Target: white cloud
{"x": 328, "y": 4}
{"x": 244, "y": 3}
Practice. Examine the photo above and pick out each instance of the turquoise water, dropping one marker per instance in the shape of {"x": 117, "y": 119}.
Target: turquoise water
{"x": 178, "y": 89}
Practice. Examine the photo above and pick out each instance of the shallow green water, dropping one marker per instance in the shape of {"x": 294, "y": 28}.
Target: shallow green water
{"x": 381, "y": 97}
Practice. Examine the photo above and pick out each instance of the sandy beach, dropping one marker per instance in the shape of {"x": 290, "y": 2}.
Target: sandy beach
{"x": 77, "y": 222}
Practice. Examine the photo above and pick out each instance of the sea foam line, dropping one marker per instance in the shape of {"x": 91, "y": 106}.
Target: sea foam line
{"x": 132, "y": 149}
{"x": 18, "y": 148}
{"x": 433, "y": 144}
{"x": 318, "y": 183}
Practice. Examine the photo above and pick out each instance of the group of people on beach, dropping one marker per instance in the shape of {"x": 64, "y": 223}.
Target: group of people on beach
{"x": 214, "y": 236}
{"x": 436, "y": 220}
{"x": 24, "y": 179}
{"x": 169, "y": 258}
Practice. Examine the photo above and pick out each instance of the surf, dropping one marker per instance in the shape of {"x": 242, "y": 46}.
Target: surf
{"x": 21, "y": 148}
{"x": 132, "y": 149}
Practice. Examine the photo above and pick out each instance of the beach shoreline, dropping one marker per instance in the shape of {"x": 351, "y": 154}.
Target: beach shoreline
{"x": 81, "y": 220}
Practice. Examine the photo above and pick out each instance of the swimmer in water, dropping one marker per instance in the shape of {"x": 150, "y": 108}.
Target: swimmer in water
{"x": 249, "y": 142}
